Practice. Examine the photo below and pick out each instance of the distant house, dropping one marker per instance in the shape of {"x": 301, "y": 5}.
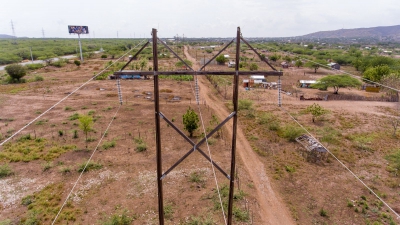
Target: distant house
{"x": 255, "y": 80}
{"x": 333, "y": 65}
{"x": 231, "y": 64}
{"x": 284, "y": 65}
{"x": 226, "y": 56}
{"x": 306, "y": 83}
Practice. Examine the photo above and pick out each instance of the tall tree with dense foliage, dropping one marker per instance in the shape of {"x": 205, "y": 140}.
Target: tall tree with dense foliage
{"x": 377, "y": 73}
{"x": 15, "y": 71}
{"x": 337, "y": 82}
{"x": 221, "y": 59}
{"x": 190, "y": 121}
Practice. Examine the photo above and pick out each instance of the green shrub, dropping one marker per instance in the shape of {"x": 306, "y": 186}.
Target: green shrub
{"x": 5, "y": 171}
{"x": 34, "y": 66}
{"x": 119, "y": 219}
{"x": 75, "y": 134}
{"x": 110, "y": 144}
{"x": 74, "y": 116}
{"x": 104, "y": 56}
{"x": 90, "y": 166}
{"x": 16, "y": 71}
{"x": 168, "y": 211}
{"x": 77, "y": 62}
{"x": 323, "y": 213}
{"x": 245, "y": 104}
{"x": 290, "y": 132}
{"x": 38, "y": 78}
{"x": 59, "y": 63}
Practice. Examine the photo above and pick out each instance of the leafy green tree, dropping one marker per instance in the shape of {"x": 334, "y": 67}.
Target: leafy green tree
{"x": 315, "y": 65}
{"x": 143, "y": 63}
{"x": 221, "y": 59}
{"x": 190, "y": 121}
{"x": 274, "y": 57}
{"x": 253, "y": 67}
{"x": 16, "y": 71}
{"x": 85, "y": 124}
{"x": 376, "y": 73}
{"x": 298, "y": 63}
{"x": 337, "y": 82}
{"x": 316, "y": 111}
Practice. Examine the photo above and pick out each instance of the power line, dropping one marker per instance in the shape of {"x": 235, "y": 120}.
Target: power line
{"x": 196, "y": 94}
{"x": 87, "y": 163}
{"x": 9, "y": 138}
{"x": 341, "y": 163}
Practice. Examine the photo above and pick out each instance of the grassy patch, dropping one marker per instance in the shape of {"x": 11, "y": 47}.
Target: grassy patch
{"x": 290, "y": 132}
{"x": 90, "y": 166}
{"x": 238, "y": 213}
{"x": 74, "y": 116}
{"x": 119, "y": 219}
{"x": 27, "y": 149}
{"x": 108, "y": 144}
{"x": 44, "y": 205}
{"x": 140, "y": 144}
{"x": 5, "y": 171}
{"x": 198, "y": 178}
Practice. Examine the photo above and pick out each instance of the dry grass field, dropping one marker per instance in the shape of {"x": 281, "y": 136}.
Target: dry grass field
{"x": 276, "y": 184}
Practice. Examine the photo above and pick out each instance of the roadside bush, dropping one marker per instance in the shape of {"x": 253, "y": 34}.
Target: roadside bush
{"x": 59, "y": 63}
{"x": 104, "y": 56}
{"x": 34, "y": 66}
{"x": 77, "y": 62}
{"x": 16, "y": 71}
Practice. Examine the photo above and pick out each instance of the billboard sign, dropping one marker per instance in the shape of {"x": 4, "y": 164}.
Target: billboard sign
{"x": 78, "y": 29}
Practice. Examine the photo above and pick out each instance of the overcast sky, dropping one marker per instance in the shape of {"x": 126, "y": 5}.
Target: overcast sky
{"x": 193, "y": 18}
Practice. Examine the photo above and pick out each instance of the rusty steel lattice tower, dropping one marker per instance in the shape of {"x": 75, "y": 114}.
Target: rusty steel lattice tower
{"x": 195, "y": 146}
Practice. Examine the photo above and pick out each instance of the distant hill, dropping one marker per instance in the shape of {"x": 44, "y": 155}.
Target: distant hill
{"x": 6, "y": 36}
{"x": 386, "y": 33}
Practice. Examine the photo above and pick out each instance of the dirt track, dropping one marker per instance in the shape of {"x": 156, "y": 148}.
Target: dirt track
{"x": 273, "y": 208}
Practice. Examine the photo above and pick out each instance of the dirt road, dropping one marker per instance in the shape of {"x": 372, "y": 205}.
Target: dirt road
{"x": 273, "y": 209}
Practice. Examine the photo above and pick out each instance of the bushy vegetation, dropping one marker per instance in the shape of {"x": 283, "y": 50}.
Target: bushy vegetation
{"x": 50, "y": 48}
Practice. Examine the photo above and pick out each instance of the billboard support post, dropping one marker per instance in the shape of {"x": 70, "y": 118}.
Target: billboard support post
{"x": 80, "y": 46}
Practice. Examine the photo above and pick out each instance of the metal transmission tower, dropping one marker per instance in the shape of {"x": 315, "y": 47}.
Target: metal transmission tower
{"x": 195, "y": 146}
{"x": 13, "y": 32}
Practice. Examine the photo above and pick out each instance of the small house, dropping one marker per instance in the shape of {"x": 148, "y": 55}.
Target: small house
{"x": 334, "y": 66}
{"x": 306, "y": 83}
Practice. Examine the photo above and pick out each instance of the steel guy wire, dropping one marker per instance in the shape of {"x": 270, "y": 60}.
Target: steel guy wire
{"x": 341, "y": 71}
{"x": 9, "y": 138}
{"x": 341, "y": 163}
{"x": 87, "y": 163}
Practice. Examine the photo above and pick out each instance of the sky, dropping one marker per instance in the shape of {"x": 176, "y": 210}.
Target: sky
{"x": 192, "y": 18}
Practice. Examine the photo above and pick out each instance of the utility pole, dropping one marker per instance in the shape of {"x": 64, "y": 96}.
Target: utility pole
{"x": 31, "y": 54}
{"x": 42, "y": 33}
{"x": 80, "y": 46}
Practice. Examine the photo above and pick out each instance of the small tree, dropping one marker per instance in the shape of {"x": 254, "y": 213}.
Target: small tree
{"x": 298, "y": 63}
{"x": 85, "y": 124}
{"x": 253, "y": 67}
{"x": 16, "y": 71}
{"x": 190, "y": 121}
{"x": 316, "y": 111}
{"x": 221, "y": 59}
{"x": 336, "y": 81}
{"x": 315, "y": 65}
